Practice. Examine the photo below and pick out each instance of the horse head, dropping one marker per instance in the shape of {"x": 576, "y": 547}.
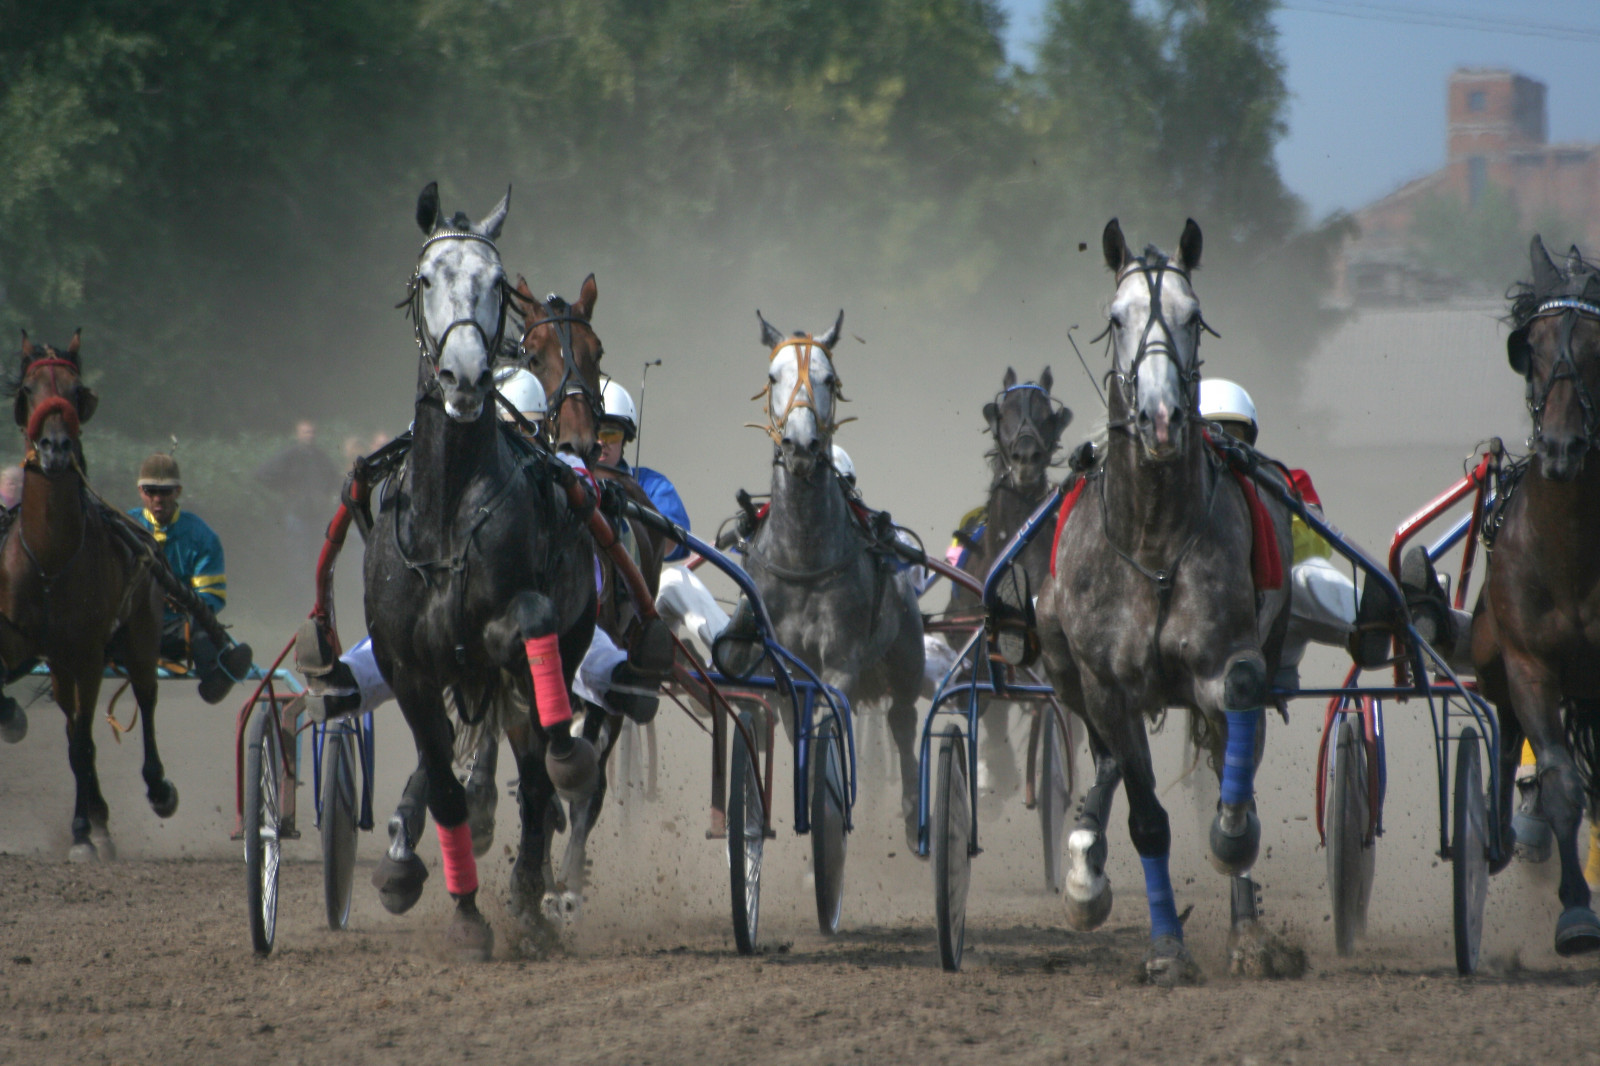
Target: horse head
{"x": 1554, "y": 346}
{"x": 457, "y": 301}
{"x": 802, "y": 392}
{"x": 1026, "y": 423}
{"x": 1154, "y": 333}
{"x": 51, "y": 402}
{"x": 563, "y": 351}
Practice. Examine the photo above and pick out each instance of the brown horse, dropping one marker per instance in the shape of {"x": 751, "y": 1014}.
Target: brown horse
{"x": 1536, "y": 627}
{"x": 71, "y": 590}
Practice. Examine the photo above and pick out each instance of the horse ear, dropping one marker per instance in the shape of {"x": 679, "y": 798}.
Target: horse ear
{"x": 27, "y": 349}
{"x": 588, "y": 292}
{"x": 72, "y": 346}
{"x": 1546, "y": 278}
{"x": 428, "y": 208}
{"x": 769, "y": 336}
{"x": 1115, "y": 247}
{"x": 991, "y": 415}
{"x": 1189, "y": 246}
{"x": 1046, "y": 379}
{"x": 525, "y": 292}
{"x": 1519, "y": 353}
{"x": 830, "y": 338}
{"x": 490, "y": 226}
{"x": 1063, "y": 419}
{"x": 87, "y": 401}
{"x": 1009, "y": 380}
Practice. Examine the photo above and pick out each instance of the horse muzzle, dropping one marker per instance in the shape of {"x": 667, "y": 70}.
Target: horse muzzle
{"x": 801, "y": 460}
{"x": 1561, "y": 458}
{"x": 1161, "y": 431}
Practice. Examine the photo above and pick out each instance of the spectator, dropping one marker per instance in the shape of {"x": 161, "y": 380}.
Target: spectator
{"x": 308, "y": 483}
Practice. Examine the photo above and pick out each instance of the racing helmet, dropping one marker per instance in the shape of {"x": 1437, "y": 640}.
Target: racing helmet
{"x": 842, "y": 464}
{"x": 525, "y": 394}
{"x": 619, "y": 407}
{"x": 1226, "y": 402}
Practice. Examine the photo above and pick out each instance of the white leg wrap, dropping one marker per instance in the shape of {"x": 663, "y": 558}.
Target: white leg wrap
{"x": 374, "y": 689}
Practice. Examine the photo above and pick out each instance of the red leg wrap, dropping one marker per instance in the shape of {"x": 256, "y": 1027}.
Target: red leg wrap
{"x": 460, "y": 868}
{"x": 549, "y": 684}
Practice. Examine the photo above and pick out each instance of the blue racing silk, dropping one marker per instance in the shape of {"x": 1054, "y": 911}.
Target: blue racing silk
{"x": 665, "y": 496}
{"x": 194, "y": 552}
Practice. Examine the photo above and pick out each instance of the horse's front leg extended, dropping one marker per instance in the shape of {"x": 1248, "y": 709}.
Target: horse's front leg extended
{"x": 400, "y": 874}
{"x": 1167, "y": 962}
{"x": 1240, "y": 694}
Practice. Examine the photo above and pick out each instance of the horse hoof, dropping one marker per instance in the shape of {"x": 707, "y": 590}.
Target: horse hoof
{"x": 469, "y": 937}
{"x": 1235, "y": 840}
{"x": 1168, "y": 964}
{"x": 574, "y": 772}
{"x": 165, "y": 804}
{"x": 562, "y": 908}
{"x": 1086, "y": 891}
{"x": 83, "y": 851}
{"x": 399, "y": 882}
{"x": 13, "y": 721}
{"x": 1577, "y": 932}
{"x": 1254, "y": 952}
{"x": 1531, "y": 835}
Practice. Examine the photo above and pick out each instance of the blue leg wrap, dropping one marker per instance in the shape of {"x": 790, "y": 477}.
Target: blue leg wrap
{"x": 1163, "y": 907}
{"x": 1239, "y": 761}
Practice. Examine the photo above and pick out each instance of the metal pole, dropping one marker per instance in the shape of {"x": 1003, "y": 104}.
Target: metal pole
{"x": 638, "y": 430}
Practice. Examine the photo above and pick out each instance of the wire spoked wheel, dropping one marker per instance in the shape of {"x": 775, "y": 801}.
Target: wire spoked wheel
{"x": 1350, "y": 855}
{"x": 952, "y": 848}
{"x": 1469, "y": 852}
{"x": 829, "y": 794}
{"x": 339, "y": 823}
{"x": 746, "y": 838}
{"x": 263, "y": 820}
{"x": 1054, "y": 795}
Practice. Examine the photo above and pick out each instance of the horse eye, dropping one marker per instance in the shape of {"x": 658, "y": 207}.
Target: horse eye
{"x": 1116, "y": 321}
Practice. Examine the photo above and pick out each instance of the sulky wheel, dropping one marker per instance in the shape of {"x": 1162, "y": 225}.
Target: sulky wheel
{"x": 1469, "y": 851}
{"x": 339, "y": 820}
{"x": 746, "y": 838}
{"x": 952, "y": 847}
{"x": 1053, "y": 796}
{"x": 829, "y": 791}
{"x": 263, "y": 770}
{"x": 1350, "y": 855}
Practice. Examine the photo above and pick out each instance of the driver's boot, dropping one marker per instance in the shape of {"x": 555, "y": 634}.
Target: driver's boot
{"x": 738, "y": 648}
{"x": 331, "y": 687}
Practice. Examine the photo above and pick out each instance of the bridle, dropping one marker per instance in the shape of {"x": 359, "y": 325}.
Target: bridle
{"x": 54, "y": 405}
{"x": 1565, "y": 368}
{"x": 558, "y": 314}
{"x": 1126, "y": 382}
{"x": 1029, "y": 427}
{"x": 803, "y": 396}
{"x": 432, "y": 348}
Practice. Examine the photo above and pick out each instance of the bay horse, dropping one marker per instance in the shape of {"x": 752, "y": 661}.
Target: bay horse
{"x": 1154, "y": 604}
{"x": 1025, "y": 424}
{"x": 1536, "y": 625}
{"x": 478, "y": 574}
{"x": 836, "y": 604}
{"x": 72, "y": 591}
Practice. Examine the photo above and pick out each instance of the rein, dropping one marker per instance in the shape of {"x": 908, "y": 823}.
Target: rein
{"x": 572, "y": 383}
{"x": 1565, "y": 368}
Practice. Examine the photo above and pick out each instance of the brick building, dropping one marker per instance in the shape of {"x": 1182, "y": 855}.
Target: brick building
{"x": 1497, "y": 137}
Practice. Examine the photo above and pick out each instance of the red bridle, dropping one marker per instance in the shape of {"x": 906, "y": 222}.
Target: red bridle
{"x": 55, "y": 405}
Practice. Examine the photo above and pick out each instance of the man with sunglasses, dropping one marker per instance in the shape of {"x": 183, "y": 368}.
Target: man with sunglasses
{"x": 619, "y": 425}
{"x": 194, "y": 553}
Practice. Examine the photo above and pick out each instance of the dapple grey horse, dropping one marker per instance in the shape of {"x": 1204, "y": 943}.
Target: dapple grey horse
{"x": 1153, "y": 604}
{"x": 837, "y": 604}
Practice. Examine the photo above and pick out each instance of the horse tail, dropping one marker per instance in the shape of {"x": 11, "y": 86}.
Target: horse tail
{"x": 1583, "y": 737}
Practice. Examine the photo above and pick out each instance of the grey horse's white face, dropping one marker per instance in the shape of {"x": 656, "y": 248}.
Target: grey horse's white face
{"x": 1157, "y": 346}
{"x": 462, "y": 307}
{"x": 802, "y": 394}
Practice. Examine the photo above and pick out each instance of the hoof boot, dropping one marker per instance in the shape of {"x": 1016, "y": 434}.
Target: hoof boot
{"x": 1234, "y": 848}
{"x": 83, "y": 852}
{"x": 13, "y": 720}
{"x": 399, "y": 882}
{"x": 470, "y": 937}
{"x": 1577, "y": 932}
{"x": 574, "y": 771}
{"x": 164, "y": 800}
{"x": 1168, "y": 964}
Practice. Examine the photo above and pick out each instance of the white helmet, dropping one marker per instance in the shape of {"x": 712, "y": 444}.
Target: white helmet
{"x": 524, "y": 392}
{"x": 1224, "y": 401}
{"x": 619, "y": 406}
{"x": 842, "y": 464}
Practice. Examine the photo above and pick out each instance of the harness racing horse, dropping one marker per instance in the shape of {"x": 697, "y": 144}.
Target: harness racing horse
{"x": 836, "y": 604}
{"x": 1026, "y": 424}
{"x": 72, "y": 590}
{"x": 478, "y": 575}
{"x": 1536, "y": 625}
{"x": 1153, "y": 604}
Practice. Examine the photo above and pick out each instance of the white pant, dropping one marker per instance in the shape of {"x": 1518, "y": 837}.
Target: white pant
{"x": 1322, "y": 607}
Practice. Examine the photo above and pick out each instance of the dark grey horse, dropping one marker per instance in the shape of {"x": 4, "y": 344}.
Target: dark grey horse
{"x": 478, "y": 574}
{"x": 1025, "y": 424}
{"x": 1154, "y": 605}
{"x": 838, "y": 605}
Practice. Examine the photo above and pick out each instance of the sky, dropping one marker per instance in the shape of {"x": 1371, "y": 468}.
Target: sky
{"x": 1367, "y": 81}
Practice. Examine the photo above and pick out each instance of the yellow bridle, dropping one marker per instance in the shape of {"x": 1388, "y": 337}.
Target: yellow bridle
{"x": 797, "y": 402}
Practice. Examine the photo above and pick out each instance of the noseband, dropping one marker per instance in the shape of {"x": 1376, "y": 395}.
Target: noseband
{"x": 1127, "y": 382}
{"x": 558, "y": 314}
{"x": 1565, "y": 368}
{"x": 432, "y": 348}
{"x": 55, "y": 405}
{"x": 797, "y": 401}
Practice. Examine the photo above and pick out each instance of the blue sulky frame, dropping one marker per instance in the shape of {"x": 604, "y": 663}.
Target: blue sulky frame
{"x": 1453, "y": 705}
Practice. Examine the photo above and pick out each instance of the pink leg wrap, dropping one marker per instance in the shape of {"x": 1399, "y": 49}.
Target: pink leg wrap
{"x": 460, "y": 868}
{"x": 549, "y": 685}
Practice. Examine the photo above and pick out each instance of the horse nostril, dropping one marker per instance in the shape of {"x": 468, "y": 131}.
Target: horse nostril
{"x": 485, "y": 379}
{"x": 447, "y": 377}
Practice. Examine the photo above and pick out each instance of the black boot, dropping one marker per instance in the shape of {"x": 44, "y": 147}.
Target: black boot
{"x": 1430, "y": 607}
{"x": 331, "y": 688}
{"x": 738, "y": 649}
{"x": 633, "y": 693}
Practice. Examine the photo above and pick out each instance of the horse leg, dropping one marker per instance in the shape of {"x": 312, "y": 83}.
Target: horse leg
{"x": 536, "y": 798}
{"x": 998, "y": 758}
{"x": 400, "y": 873}
{"x": 1086, "y": 891}
{"x": 1536, "y": 695}
{"x": 601, "y": 730}
{"x": 1236, "y": 829}
{"x": 76, "y": 686}
{"x": 142, "y": 648}
{"x": 1167, "y": 961}
{"x": 902, "y": 719}
{"x": 13, "y": 720}
{"x": 482, "y": 794}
